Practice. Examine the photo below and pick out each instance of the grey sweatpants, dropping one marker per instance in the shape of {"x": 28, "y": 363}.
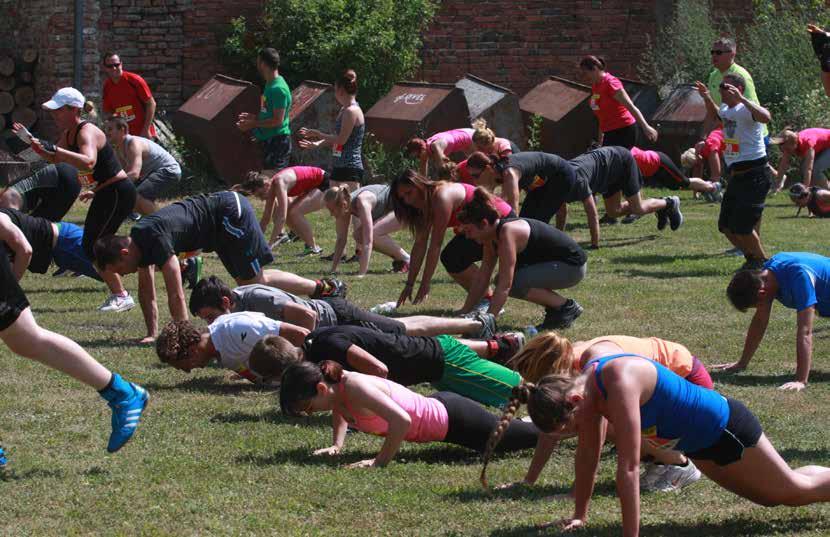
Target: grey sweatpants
{"x": 550, "y": 275}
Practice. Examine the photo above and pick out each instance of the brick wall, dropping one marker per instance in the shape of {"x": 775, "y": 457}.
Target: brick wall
{"x": 518, "y": 44}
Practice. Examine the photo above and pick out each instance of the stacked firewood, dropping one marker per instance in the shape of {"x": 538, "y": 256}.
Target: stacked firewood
{"x": 17, "y": 92}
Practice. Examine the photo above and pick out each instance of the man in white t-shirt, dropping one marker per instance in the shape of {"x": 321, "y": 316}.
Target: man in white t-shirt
{"x": 229, "y": 339}
{"x": 746, "y": 160}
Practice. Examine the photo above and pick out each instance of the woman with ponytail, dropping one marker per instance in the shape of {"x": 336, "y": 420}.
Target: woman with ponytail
{"x": 647, "y": 403}
{"x": 439, "y": 147}
{"x": 534, "y": 258}
{"x": 379, "y": 406}
{"x": 369, "y": 208}
{"x": 428, "y": 208}
{"x": 486, "y": 141}
{"x": 549, "y": 181}
{"x": 84, "y": 146}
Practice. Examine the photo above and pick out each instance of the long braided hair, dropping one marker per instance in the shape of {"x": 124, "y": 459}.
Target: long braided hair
{"x": 547, "y": 403}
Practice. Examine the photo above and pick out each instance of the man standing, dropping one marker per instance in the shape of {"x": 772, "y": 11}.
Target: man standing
{"x": 746, "y": 160}
{"x": 127, "y": 95}
{"x": 799, "y": 281}
{"x": 271, "y": 126}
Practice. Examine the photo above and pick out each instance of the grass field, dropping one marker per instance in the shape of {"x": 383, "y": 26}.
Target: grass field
{"x": 215, "y": 457}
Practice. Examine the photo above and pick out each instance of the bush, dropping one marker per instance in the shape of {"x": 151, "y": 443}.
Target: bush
{"x": 534, "y": 133}
{"x": 382, "y": 164}
{"x": 318, "y": 39}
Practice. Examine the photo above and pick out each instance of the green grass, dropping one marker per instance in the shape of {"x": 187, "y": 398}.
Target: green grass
{"x": 214, "y": 456}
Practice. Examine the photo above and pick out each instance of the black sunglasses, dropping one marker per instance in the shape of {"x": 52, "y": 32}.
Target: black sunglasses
{"x": 112, "y": 65}
{"x": 719, "y": 52}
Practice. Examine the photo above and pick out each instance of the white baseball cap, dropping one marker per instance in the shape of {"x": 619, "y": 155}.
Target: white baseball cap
{"x": 65, "y": 97}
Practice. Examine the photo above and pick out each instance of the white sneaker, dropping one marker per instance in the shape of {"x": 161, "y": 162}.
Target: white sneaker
{"x": 117, "y": 303}
{"x": 669, "y": 477}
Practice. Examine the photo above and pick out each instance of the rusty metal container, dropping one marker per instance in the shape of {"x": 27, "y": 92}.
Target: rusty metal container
{"x": 679, "y": 119}
{"x": 208, "y": 121}
{"x": 644, "y": 96}
{"x": 568, "y": 124}
{"x": 312, "y": 106}
{"x": 497, "y": 105}
{"x": 417, "y": 108}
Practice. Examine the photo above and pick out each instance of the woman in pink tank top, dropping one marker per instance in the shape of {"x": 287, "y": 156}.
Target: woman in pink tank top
{"x": 439, "y": 147}
{"x": 486, "y": 141}
{"x": 811, "y": 146}
{"x": 428, "y": 208}
{"x": 304, "y": 185}
{"x": 378, "y": 406}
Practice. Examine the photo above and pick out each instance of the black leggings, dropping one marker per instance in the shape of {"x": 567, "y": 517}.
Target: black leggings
{"x": 461, "y": 252}
{"x": 50, "y": 191}
{"x": 471, "y": 425}
{"x": 625, "y": 137}
{"x": 669, "y": 175}
{"x": 110, "y": 206}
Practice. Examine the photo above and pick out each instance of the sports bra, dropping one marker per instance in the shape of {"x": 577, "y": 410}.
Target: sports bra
{"x": 106, "y": 165}
{"x": 502, "y": 206}
{"x": 679, "y": 415}
{"x": 457, "y": 140}
{"x": 308, "y": 177}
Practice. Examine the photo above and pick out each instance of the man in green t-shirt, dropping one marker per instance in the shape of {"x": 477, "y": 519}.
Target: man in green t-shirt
{"x": 270, "y": 126}
{"x": 723, "y": 59}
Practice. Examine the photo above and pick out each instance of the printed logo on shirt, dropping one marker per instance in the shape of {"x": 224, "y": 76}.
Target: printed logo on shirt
{"x": 85, "y": 178}
{"x": 536, "y": 183}
{"x": 262, "y": 104}
{"x": 594, "y": 102}
{"x": 650, "y": 435}
{"x": 731, "y": 145}
{"x": 125, "y": 112}
{"x": 243, "y": 335}
{"x": 247, "y": 374}
{"x": 337, "y": 150}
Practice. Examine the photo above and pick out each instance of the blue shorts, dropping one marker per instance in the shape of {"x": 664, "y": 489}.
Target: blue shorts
{"x": 68, "y": 252}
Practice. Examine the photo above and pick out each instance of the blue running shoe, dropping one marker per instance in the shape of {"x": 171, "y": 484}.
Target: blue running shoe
{"x": 125, "y": 416}
{"x": 3, "y": 461}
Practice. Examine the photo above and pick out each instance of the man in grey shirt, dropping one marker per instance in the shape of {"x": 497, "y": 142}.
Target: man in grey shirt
{"x": 211, "y": 298}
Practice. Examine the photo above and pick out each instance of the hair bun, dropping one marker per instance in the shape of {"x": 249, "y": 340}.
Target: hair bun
{"x": 522, "y": 392}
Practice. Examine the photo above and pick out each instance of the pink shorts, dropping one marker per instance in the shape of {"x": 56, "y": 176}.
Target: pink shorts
{"x": 699, "y": 375}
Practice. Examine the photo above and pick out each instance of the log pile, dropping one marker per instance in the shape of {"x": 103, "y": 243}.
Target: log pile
{"x": 17, "y": 92}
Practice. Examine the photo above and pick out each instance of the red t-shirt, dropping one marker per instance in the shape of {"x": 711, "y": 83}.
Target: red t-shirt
{"x": 502, "y": 206}
{"x": 611, "y": 113}
{"x": 464, "y": 175}
{"x": 127, "y": 99}
{"x": 714, "y": 143}
{"x": 818, "y": 139}
{"x": 647, "y": 161}
{"x": 308, "y": 178}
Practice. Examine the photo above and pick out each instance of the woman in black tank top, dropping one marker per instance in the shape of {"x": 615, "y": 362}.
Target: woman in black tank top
{"x": 84, "y": 146}
{"x": 534, "y": 258}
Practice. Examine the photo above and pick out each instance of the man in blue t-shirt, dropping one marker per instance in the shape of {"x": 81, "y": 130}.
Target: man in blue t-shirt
{"x": 798, "y": 280}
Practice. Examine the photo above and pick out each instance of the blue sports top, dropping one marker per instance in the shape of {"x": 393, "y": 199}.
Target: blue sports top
{"x": 679, "y": 415}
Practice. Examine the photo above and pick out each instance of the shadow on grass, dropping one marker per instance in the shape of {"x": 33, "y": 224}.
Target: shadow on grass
{"x": 536, "y": 492}
{"x": 438, "y": 455}
{"x": 804, "y": 454}
{"x": 743, "y": 379}
{"x": 625, "y": 241}
{"x": 32, "y": 474}
{"x": 272, "y": 416}
{"x": 62, "y": 290}
{"x": 110, "y": 342}
{"x": 214, "y": 385}
{"x": 741, "y": 525}
{"x": 655, "y": 259}
{"x": 670, "y": 274}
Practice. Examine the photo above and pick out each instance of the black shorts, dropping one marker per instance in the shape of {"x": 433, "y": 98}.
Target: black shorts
{"x": 544, "y": 202}
{"x": 241, "y": 246}
{"x": 275, "y": 152}
{"x": 12, "y": 298}
{"x": 462, "y": 252}
{"x": 623, "y": 175}
{"x": 669, "y": 175}
{"x": 349, "y": 314}
{"x": 743, "y": 430}
{"x": 109, "y": 208}
{"x": 624, "y": 137}
{"x": 743, "y": 202}
{"x": 343, "y": 175}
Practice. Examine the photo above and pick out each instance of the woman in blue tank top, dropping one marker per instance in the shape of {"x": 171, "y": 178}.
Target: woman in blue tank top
{"x": 645, "y": 401}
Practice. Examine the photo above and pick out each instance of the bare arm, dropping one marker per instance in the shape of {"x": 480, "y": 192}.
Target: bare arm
{"x": 510, "y": 188}
{"x": 280, "y": 199}
{"x": 482, "y": 279}
{"x": 294, "y": 334}
{"x": 367, "y": 234}
{"x": 759, "y": 113}
{"x": 364, "y": 362}
{"x": 507, "y": 269}
{"x": 149, "y": 116}
{"x": 755, "y": 334}
{"x": 809, "y": 162}
{"x": 338, "y": 430}
{"x": 171, "y": 271}
{"x": 299, "y": 315}
{"x": 622, "y": 97}
{"x": 419, "y": 248}
{"x": 365, "y": 394}
{"x": 545, "y": 444}
{"x": 804, "y": 344}
{"x": 590, "y": 205}
{"x": 441, "y": 211}
{"x": 87, "y": 154}
{"x": 783, "y": 166}
{"x": 586, "y": 463}
{"x": 711, "y": 107}
{"x": 147, "y": 299}
{"x": 347, "y": 125}
{"x": 341, "y": 225}
{"x": 133, "y": 159}
{"x": 17, "y": 243}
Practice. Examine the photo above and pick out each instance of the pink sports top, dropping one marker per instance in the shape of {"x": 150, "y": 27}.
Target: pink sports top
{"x": 464, "y": 175}
{"x": 430, "y": 420}
{"x": 456, "y": 139}
{"x": 502, "y": 147}
{"x": 503, "y": 207}
{"x": 818, "y": 139}
{"x": 714, "y": 143}
{"x": 308, "y": 177}
{"x": 647, "y": 161}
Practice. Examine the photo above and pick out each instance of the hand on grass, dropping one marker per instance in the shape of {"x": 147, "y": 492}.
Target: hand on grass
{"x": 423, "y": 293}
{"x": 571, "y": 524}
{"x": 733, "y": 367}
{"x": 147, "y": 340}
{"x": 330, "y": 451}
{"x": 406, "y": 294}
{"x": 510, "y": 486}
{"x": 794, "y": 386}
{"x": 86, "y": 195}
{"x": 366, "y": 463}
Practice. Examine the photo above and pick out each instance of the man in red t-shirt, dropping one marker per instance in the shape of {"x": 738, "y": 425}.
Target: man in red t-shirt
{"x": 127, "y": 95}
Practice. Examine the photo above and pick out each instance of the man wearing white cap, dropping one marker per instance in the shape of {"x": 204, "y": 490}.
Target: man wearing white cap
{"x": 84, "y": 146}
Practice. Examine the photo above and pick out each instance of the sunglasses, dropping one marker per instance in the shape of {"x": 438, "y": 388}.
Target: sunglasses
{"x": 112, "y": 65}
{"x": 719, "y": 52}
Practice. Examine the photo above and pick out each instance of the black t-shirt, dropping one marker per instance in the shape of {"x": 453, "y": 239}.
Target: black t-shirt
{"x": 537, "y": 169}
{"x": 545, "y": 244}
{"x": 185, "y": 226}
{"x": 602, "y": 167}
{"x": 38, "y": 231}
{"x": 410, "y": 359}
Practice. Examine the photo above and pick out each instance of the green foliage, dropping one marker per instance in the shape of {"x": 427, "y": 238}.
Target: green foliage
{"x": 198, "y": 173}
{"x": 534, "y": 133}
{"x": 318, "y": 39}
{"x": 382, "y": 164}
{"x": 680, "y": 52}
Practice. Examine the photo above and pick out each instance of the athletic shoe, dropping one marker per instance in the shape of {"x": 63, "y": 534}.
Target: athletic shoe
{"x": 673, "y": 212}
{"x": 135, "y": 217}
{"x": 77, "y": 274}
{"x": 4, "y": 462}
{"x": 310, "y": 250}
{"x": 331, "y": 288}
{"x": 283, "y": 238}
{"x": 668, "y": 477}
{"x": 353, "y": 259}
{"x": 488, "y": 325}
{"x": 126, "y": 414}
{"x": 330, "y": 257}
{"x": 292, "y": 237}
{"x": 552, "y": 320}
{"x": 559, "y": 318}
{"x": 61, "y": 273}
{"x": 570, "y": 312}
{"x": 192, "y": 272}
{"x": 116, "y": 303}
{"x": 482, "y": 306}
{"x": 400, "y": 266}
{"x": 734, "y": 252}
{"x": 509, "y": 344}
{"x": 662, "y": 219}
{"x": 631, "y": 218}
{"x": 607, "y": 220}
